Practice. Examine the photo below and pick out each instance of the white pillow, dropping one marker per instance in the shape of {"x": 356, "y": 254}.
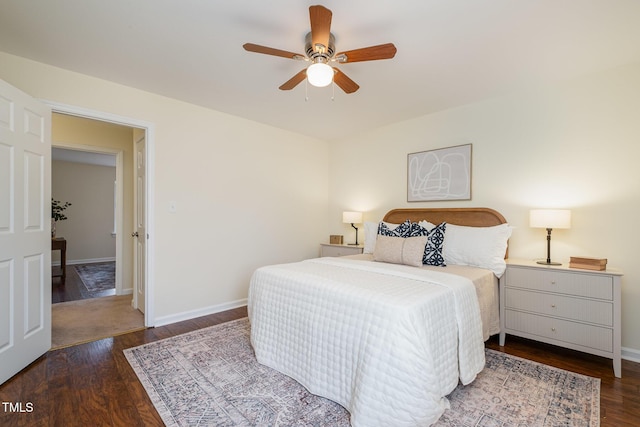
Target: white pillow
{"x": 400, "y": 250}
{"x": 370, "y": 234}
{"x": 482, "y": 247}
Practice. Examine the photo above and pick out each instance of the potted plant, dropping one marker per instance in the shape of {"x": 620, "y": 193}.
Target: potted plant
{"x": 57, "y": 214}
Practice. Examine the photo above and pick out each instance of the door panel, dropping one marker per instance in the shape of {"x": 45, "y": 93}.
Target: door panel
{"x": 6, "y": 309}
{"x": 34, "y": 289}
{"x": 25, "y": 235}
{"x": 141, "y": 229}
{"x": 33, "y": 187}
{"x": 6, "y": 183}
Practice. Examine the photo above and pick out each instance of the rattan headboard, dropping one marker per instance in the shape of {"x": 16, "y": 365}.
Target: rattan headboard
{"x": 472, "y": 217}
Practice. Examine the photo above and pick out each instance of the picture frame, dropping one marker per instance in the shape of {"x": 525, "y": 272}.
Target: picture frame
{"x": 440, "y": 174}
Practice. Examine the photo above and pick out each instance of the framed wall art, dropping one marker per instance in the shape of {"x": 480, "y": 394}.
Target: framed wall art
{"x": 442, "y": 174}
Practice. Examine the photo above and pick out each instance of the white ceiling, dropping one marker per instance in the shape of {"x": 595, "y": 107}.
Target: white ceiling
{"x": 450, "y": 52}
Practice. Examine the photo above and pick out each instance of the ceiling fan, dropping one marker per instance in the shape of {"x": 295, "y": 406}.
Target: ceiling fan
{"x": 320, "y": 51}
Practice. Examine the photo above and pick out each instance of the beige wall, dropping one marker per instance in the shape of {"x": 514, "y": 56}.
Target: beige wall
{"x": 88, "y": 229}
{"x": 573, "y": 145}
{"x": 247, "y": 194}
{"x": 250, "y": 195}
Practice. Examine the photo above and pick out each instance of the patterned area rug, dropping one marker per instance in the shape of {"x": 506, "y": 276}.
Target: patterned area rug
{"x": 97, "y": 277}
{"x": 210, "y": 377}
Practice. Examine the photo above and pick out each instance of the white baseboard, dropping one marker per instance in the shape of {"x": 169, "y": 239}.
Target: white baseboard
{"x": 631, "y": 354}
{"x": 186, "y": 315}
{"x": 85, "y": 261}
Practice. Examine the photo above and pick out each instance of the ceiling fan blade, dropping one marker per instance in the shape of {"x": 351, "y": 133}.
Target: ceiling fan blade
{"x": 294, "y": 81}
{"x": 372, "y": 53}
{"x": 344, "y": 82}
{"x": 320, "y": 18}
{"x": 270, "y": 51}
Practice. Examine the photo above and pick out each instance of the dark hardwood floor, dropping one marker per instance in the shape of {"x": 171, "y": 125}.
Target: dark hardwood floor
{"x": 93, "y": 384}
{"x": 73, "y": 288}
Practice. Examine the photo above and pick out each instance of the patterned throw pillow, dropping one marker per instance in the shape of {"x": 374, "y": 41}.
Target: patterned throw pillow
{"x": 433, "y": 249}
{"x": 401, "y": 230}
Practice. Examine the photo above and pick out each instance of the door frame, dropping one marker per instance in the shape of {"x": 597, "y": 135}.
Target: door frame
{"x": 149, "y": 128}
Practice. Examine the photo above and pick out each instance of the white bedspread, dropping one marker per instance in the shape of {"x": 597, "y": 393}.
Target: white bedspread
{"x": 388, "y": 342}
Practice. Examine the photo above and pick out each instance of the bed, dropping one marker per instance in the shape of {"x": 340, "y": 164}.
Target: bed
{"x": 386, "y": 340}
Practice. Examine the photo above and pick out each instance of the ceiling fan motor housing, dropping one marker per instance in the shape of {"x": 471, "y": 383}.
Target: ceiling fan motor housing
{"x": 326, "y": 53}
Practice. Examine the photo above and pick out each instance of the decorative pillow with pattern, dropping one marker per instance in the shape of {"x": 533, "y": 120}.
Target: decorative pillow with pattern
{"x": 433, "y": 249}
{"x": 402, "y": 230}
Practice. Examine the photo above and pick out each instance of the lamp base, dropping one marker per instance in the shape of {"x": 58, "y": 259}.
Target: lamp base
{"x": 548, "y": 262}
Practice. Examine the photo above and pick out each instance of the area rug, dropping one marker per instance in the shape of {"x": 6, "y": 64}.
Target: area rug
{"x": 97, "y": 277}
{"x": 210, "y": 377}
{"x": 77, "y": 322}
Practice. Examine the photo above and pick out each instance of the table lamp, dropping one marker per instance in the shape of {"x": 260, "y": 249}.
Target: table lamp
{"x": 549, "y": 219}
{"x": 352, "y": 218}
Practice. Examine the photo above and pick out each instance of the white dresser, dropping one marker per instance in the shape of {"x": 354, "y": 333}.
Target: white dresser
{"x": 329, "y": 249}
{"x": 572, "y": 308}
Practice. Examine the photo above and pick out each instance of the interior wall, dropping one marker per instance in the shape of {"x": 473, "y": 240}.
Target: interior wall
{"x": 89, "y": 227}
{"x": 249, "y": 195}
{"x": 569, "y": 145}
{"x": 246, "y": 194}
{"x": 72, "y": 131}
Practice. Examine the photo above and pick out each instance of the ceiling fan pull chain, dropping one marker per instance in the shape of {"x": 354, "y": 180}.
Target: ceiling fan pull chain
{"x": 333, "y": 91}
{"x": 306, "y": 91}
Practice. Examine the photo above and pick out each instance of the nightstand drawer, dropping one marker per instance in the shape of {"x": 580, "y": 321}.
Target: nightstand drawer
{"x": 569, "y": 283}
{"x": 562, "y": 330}
{"x": 339, "y": 250}
{"x": 585, "y": 310}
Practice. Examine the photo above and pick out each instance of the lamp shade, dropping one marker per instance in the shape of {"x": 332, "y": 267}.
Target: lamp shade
{"x": 352, "y": 217}
{"x": 319, "y": 74}
{"x": 550, "y": 218}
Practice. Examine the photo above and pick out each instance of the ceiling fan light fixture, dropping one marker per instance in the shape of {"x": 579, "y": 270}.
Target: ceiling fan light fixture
{"x": 320, "y": 51}
{"x": 320, "y": 74}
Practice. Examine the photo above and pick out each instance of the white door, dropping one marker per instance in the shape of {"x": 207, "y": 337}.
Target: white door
{"x": 25, "y": 230}
{"x": 140, "y": 232}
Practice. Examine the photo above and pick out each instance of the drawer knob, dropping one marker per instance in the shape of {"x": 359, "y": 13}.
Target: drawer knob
{"x": 553, "y": 306}
{"x": 553, "y": 329}
{"x": 553, "y": 282}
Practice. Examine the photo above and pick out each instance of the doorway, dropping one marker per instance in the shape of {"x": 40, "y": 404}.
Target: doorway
{"x": 126, "y": 192}
{"x": 89, "y": 162}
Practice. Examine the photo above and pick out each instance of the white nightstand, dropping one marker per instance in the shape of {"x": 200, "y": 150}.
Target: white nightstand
{"x": 569, "y": 307}
{"x": 328, "y": 249}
